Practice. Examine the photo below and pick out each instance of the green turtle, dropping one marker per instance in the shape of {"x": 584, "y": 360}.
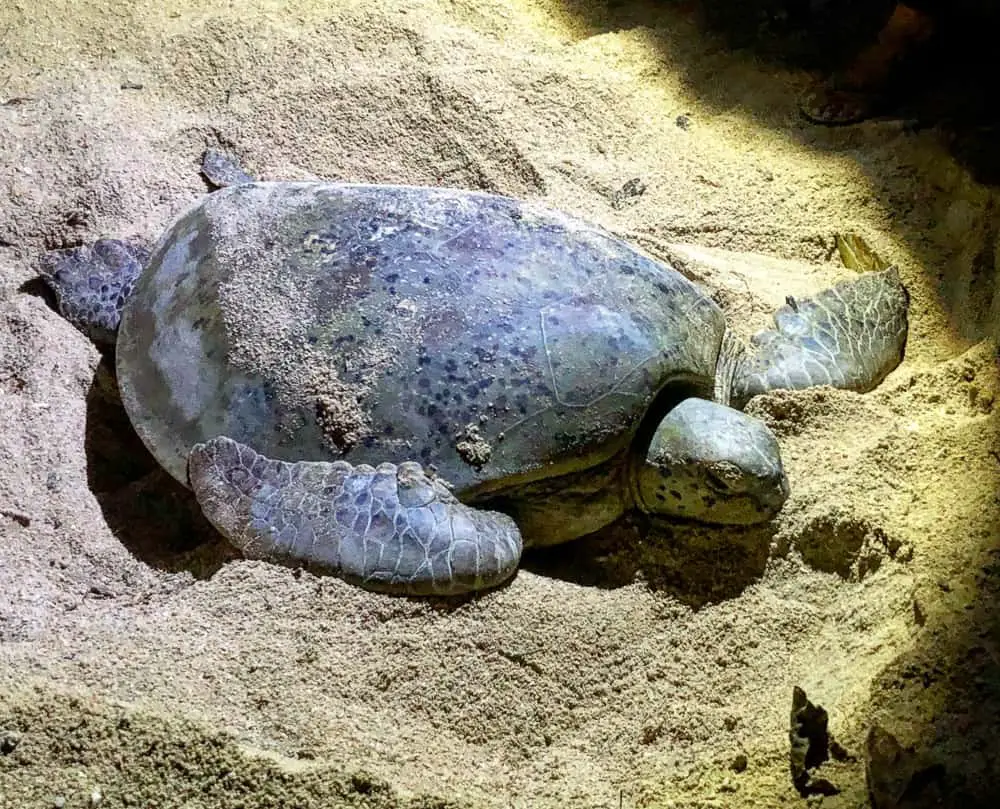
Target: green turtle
{"x": 405, "y": 385}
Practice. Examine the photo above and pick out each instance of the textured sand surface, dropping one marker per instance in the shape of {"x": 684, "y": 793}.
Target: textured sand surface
{"x": 142, "y": 664}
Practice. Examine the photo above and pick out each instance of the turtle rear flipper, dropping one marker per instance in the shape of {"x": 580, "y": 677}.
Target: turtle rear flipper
{"x": 391, "y": 528}
{"x": 92, "y": 283}
{"x": 850, "y": 336}
{"x": 222, "y": 170}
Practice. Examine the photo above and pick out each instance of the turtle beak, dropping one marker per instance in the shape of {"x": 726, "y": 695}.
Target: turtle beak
{"x": 780, "y": 495}
{"x": 762, "y": 504}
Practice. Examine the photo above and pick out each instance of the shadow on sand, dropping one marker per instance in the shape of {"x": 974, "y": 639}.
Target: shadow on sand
{"x": 156, "y": 518}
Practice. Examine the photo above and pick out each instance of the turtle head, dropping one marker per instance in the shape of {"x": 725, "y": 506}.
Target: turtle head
{"x": 714, "y": 464}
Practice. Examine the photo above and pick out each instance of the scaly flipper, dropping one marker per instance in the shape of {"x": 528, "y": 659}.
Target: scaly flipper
{"x": 849, "y": 336}
{"x": 222, "y": 170}
{"x": 91, "y": 284}
{"x": 392, "y": 529}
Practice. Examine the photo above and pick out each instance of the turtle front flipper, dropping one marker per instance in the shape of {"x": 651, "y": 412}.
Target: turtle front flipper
{"x": 850, "y": 336}
{"x": 392, "y": 528}
{"x": 91, "y": 284}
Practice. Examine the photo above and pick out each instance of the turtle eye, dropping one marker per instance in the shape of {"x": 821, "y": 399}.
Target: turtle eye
{"x": 717, "y": 483}
{"x": 724, "y": 478}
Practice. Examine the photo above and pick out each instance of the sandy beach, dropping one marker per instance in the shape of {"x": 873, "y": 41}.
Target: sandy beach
{"x": 144, "y": 664}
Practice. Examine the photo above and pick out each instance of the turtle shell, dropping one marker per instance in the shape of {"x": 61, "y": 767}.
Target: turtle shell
{"x": 490, "y": 339}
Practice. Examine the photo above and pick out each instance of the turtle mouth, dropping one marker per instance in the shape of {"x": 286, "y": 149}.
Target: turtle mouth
{"x": 773, "y": 499}
{"x": 761, "y": 503}
{"x": 743, "y": 510}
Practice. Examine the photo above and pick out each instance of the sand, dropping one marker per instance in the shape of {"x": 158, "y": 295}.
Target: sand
{"x": 142, "y": 663}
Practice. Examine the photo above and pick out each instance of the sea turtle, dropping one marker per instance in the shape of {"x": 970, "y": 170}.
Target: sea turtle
{"x": 396, "y": 384}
